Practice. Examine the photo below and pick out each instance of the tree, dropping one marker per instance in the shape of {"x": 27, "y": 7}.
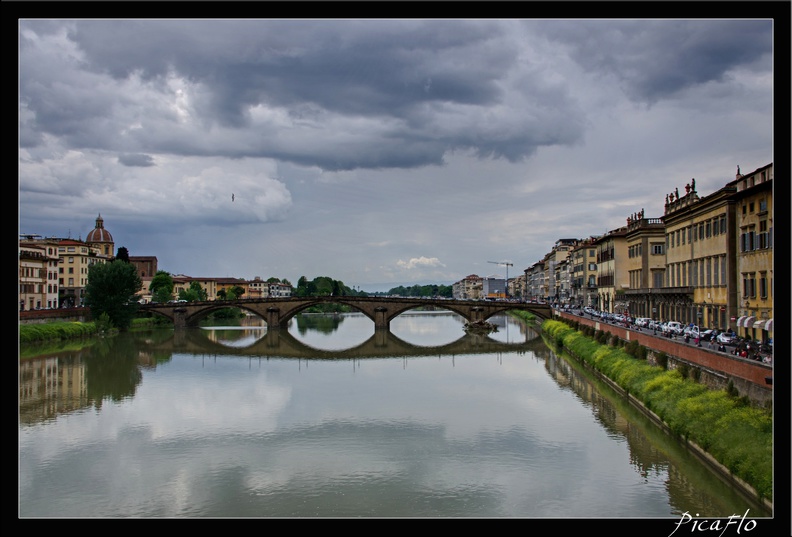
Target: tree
{"x": 123, "y": 254}
{"x": 195, "y": 293}
{"x": 234, "y": 293}
{"x": 161, "y": 287}
{"x": 111, "y": 289}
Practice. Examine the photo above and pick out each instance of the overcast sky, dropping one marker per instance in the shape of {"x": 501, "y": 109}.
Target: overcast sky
{"x": 378, "y": 152}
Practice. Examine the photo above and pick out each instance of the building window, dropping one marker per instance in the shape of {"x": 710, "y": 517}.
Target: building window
{"x": 763, "y": 285}
{"x": 701, "y": 231}
{"x": 744, "y": 210}
{"x": 762, "y": 238}
{"x": 657, "y": 249}
{"x": 751, "y": 207}
{"x": 715, "y": 272}
{"x": 657, "y": 277}
{"x": 762, "y": 205}
{"x": 708, "y": 230}
{"x": 701, "y": 272}
{"x": 749, "y": 285}
{"x": 723, "y": 269}
{"x": 709, "y": 272}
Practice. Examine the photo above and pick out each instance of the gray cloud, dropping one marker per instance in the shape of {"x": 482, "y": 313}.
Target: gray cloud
{"x": 356, "y": 148}
{"x": 136, "y": 160}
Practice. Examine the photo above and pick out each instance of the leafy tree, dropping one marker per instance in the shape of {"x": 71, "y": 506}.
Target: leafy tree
{"x": 323, "y": 286}
{"x": 234, "y": 293}
{"x": 161, "y": 287}
{"x": 273, "y": 279}
{"x": 195, "y": 293}
{"x": 123, "y": 254}
{"x": 222, "y": 295}
{"x": 111, "y": 289}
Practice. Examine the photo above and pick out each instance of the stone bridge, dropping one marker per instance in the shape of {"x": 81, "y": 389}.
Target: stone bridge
{"x": 276, "y": 312}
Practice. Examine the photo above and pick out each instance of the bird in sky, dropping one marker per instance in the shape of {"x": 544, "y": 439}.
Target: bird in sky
{"x": 232, "y": 197}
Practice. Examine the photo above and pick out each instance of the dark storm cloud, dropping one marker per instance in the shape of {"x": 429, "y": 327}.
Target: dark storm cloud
{"x": 136, "y": 160}
{"x": 364, "y": 94}
{"x": 656, "y": 59}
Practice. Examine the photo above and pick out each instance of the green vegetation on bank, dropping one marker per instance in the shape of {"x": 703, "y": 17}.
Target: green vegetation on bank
{"x": 64, "y": 330}
{"x": 425, "y": 291}
{"x": 736, "y": 434}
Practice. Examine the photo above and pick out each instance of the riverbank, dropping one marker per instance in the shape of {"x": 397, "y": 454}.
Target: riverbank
{"x": 65, "y": 330}
{"x": 727, "y": 433}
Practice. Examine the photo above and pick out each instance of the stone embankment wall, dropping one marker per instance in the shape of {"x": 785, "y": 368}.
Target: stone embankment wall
{"x": 56, "y": 315}
{"x": 751, "y": 378}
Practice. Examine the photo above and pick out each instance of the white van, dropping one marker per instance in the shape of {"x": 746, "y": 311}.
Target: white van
{"x": 675, "y": 328}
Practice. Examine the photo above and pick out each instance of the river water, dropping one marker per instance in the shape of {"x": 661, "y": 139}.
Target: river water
{"x": 332, "y": 418}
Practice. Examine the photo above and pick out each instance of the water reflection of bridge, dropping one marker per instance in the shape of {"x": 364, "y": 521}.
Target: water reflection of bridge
{"x": 383, "y": 344}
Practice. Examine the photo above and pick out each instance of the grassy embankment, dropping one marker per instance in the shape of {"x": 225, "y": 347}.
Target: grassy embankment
{"x": 736, "y": 434}
{"x": 65, "y": 330}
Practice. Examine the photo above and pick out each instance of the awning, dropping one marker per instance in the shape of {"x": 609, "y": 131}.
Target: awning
{"x": 769, "y": 325}
{"x": 739, "y": 321}
{"x": 759, "y": 324}
{"x": 747, "y": 322}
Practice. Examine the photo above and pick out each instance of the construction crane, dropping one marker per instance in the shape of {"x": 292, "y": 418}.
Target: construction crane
{"x": 507, "y": 265}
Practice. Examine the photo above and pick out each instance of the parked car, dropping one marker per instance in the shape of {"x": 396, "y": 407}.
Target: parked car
{"x": 675, "y": 327}
{"x": 726, "y": 338}
{"x": 708, "y": 335}
{"x": 692, "y": 331}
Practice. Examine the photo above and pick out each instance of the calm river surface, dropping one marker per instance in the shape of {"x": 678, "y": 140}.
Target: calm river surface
{"x": 334, "y": 419}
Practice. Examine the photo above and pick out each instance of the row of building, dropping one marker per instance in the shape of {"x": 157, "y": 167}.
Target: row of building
{"x": 53, "y": 272}
{"x": 707, "y": 260}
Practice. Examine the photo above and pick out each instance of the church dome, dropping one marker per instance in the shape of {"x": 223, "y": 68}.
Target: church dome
{"x": 99, "y": 234}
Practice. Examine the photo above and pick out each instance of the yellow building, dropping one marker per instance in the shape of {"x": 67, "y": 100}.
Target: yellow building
{"x": 468, "y": 288}
{"x": 74, "y": 259}
{"x": 583, "y": 280}
{"x": 700, "y": 243}
{"x": 645, "y": 264}
{"x": 38, "y": 273}
{"x": 612, "y": 276}
{"x": 754, "y": 267}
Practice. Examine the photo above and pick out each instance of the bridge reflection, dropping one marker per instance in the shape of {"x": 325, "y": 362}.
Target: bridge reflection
{"x": 382, "y": 344}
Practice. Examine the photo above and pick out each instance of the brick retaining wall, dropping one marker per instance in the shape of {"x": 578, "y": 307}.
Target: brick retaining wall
{"x": 750, "y": 377}
{"x": 60, "y": 314}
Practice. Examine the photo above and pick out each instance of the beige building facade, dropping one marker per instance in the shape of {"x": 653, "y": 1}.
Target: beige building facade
{"x": 754, "y": 260}
{"x": 612, "y": 276}
{"x": 583, "y": 277}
